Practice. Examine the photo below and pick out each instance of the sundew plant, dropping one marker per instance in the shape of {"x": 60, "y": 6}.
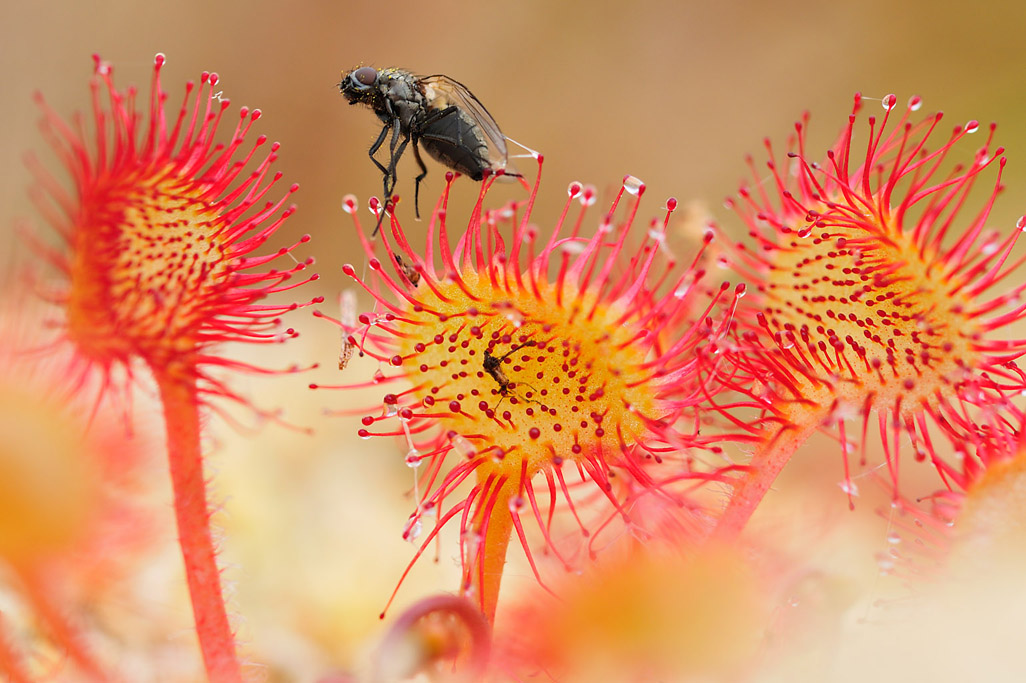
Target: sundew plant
{"x": 587, "y": 397}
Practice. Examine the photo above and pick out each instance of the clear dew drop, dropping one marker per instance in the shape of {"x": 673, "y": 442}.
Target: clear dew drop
{"x": 349, "y": 204}
{"x": 589, "y": 195}
{"x": 805, "y": 231}
{"x": 462, "y": 446}
{"x": 413, "y": 458}
{"x": 893, "y": 538}
{"x": 573, "y": 247}
{"x": 1021, "y": 223}
{"x": 515, "y": 318}
{"x": 794, "y": 170}
{"x": 972, "y": 127}
{"x": 390, "y": 410}
{"x": 633, "y": 185}
{"x": 915, "y": 103}
{"x": 471, "y": 540}
{"x": 683, "y": 290}
{"x": 379, "y": 376}
{"x": 413, "y": 529}
{"x": 850, "y": 487}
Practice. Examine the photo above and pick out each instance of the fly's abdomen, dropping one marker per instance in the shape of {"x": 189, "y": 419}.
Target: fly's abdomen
{"x": 457, "y": 141}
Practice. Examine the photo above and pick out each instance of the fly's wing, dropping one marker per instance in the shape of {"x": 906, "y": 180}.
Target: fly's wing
{"x": 442, "y": 91}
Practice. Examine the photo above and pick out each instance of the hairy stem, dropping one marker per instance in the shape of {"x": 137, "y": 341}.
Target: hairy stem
{"x": 773, "y": 452}
{"x": 181, "y": 412}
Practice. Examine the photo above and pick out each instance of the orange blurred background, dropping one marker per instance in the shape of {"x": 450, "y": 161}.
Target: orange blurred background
{"x": 675, "y": 93}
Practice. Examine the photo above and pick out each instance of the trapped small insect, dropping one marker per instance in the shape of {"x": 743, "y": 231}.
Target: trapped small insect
{"x": 493, "y": 366}
{"x": 434, "y": 111}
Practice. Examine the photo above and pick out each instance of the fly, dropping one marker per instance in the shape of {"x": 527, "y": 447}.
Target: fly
{"x": 434, "y": 111}
{"x": 493, "y": 366}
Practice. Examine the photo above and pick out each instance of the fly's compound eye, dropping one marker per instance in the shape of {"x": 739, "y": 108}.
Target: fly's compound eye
{"x": 364, "y": 77}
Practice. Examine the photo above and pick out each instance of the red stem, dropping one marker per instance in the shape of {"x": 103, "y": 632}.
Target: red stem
{"x": 181, "y": 415}
{"x": 773, "y": 452}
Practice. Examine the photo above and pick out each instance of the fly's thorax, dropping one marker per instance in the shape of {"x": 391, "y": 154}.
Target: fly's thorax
{"x": 400, "y": 89}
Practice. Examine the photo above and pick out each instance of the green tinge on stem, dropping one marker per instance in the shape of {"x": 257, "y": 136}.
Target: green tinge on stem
{"x": 181, "y": 414}
{"x": 773, "y": 452}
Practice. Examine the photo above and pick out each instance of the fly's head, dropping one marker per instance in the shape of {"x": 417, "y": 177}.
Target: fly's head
{"x": 359, "y": 86}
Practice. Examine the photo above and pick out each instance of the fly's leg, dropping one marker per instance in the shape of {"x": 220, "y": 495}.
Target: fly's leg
{"x": 416, "y": 183}
{"x": 390, "y": 172}
{"x": 428, "y": 120}
{"x": 395, "y": 151}
{"x": 377, "y": 145}
{"x": 441, "y": 114}
{"x": 397, "y": 148}
{"x": 381, "y": 167}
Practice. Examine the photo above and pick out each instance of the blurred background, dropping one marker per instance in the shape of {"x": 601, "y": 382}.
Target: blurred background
{"x": 675, "y": 93}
